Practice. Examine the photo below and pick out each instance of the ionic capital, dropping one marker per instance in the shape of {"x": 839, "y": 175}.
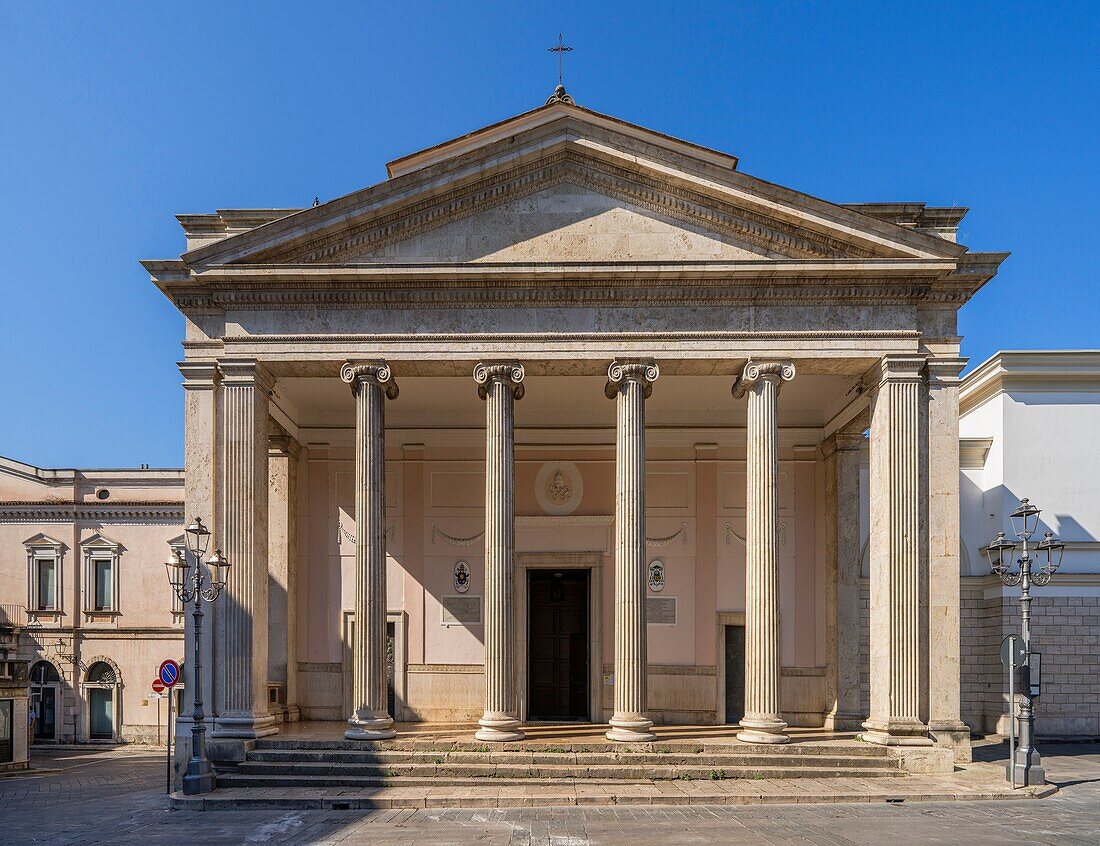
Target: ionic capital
{"x": 508, "y": 373}
{"x": 758, "y": 372}
{"x": 377, "y": 373}
{"x": 630, "y": 370}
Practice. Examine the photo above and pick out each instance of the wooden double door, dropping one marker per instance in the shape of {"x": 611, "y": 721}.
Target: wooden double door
{"x": 558, "y": 645}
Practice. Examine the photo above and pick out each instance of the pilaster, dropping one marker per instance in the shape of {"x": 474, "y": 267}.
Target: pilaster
{"x": 944, "y": 684}
{"x": 630, "y": 383}
{"x": 241, "y": 695}
{"x": 763, "y": 720}
{"x": 282, "y": 602}
{"x": 371, "y": 384}
{"x": 899, "y": 554}
{"x": 500, "y": 385}
{"x": 843, "y": 454}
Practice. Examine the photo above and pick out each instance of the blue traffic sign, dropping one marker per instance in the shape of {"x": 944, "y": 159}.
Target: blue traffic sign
{"x": 169, "y": 672}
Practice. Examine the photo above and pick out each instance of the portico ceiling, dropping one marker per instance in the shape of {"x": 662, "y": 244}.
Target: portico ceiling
{"x": 809, "y": 401}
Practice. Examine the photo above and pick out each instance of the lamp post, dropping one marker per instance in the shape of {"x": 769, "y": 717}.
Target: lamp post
{"x": 1026, "y": 767}
{"x": 192, "y": 584}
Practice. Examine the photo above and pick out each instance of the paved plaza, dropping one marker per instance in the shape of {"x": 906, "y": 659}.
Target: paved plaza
{"x": 82, "y": 796}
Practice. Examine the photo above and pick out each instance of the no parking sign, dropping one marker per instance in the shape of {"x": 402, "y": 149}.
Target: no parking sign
{"x": 169, "y": 673}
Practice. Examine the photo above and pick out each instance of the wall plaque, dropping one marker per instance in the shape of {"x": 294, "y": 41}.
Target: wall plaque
{"x": 656, "y": 575}
{"x": 462, "y": 576}
{"x": 464, "y": 610}
{"x": 660, "y": 610}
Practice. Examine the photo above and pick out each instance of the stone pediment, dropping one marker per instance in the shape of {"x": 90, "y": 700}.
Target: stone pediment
{"x": 565, "y": 223}
{"x": 573, "y": 180}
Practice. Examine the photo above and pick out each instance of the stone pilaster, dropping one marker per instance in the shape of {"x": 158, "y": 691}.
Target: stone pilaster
{"x": 944, "y": 685}
{"x": 202, "y": 460}
{"x": 899, "y": 554}
{"x": 630, "y": 383}
{"x": 500, "y": 385}
{"x": 371, "y": 383}
{"x": 843, "y": 454}
{"x": 282, "y": 544}
{"x": 242, "y": 665}
{"x": 763, "y": 720}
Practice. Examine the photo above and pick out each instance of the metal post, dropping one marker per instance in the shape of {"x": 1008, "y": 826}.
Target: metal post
{"x": 200, "y": 776}
{"x": 168, "y": 768}
{"x": 1012, "y": 716}
{"x": 1026, "y": 764}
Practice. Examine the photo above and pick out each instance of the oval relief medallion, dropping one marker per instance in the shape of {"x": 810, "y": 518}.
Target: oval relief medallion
{"x": 559, "y": 487}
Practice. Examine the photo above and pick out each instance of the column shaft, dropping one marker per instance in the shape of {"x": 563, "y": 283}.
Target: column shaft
{"x": 370, "y": 719}
{"x": 500, "y": 385}
{"x": 899, "y": 555}
{"x": 282, "y": 544}
{"x": 763, "y": 720}
{"x": 242, "y": 692}
{"x": 630, "y": 383}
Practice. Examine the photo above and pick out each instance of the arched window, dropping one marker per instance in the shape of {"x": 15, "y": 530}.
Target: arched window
{"x": 101, "y": 673}
{"x": 44, "y": 673}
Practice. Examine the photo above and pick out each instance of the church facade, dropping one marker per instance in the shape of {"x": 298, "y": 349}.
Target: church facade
{"x": 566, "y": 420}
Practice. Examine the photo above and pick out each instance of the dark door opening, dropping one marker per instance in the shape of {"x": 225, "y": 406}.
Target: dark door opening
{"x": 557, "y": 645}
{"x": 735, "y": 674}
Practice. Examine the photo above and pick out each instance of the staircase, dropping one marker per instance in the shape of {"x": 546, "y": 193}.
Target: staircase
{"x": 352, "y": 765}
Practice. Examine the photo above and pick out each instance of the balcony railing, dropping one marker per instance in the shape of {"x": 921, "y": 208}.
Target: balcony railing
{"x": 13, "y": 616}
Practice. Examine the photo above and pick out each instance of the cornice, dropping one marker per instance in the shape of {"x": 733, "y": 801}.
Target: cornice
{"x": 132, "y": 513}
{"x": 1033, "y": 371}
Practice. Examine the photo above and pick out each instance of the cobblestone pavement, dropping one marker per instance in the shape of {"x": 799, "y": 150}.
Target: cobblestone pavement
{"x": 81, "y": 796}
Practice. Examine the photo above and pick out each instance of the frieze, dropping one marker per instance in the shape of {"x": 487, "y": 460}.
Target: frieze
{"x": 686, "y": 293}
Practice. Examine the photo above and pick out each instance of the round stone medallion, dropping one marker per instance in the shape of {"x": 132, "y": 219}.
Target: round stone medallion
{"x": 559, "y": 487}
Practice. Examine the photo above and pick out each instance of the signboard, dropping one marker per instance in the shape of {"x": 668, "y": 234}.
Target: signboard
{"x": 158, "y": 686}
{"x": 169, "y": 673}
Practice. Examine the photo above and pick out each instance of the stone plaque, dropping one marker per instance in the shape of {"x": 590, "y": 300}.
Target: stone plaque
{"x": 461, "y": 610}
{"x": 660, "y": 610}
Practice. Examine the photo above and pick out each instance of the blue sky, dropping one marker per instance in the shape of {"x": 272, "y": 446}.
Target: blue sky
{"x": 118, "y": 116}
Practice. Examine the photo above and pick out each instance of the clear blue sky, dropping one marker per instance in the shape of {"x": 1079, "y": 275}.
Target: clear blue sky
{"x": 115, "y": 117}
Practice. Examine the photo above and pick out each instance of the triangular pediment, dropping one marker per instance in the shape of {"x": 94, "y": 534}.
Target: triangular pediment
{"x": 43, "y": 541}
{"x": 565, "y": 184}
{"x": 100, "y": 541}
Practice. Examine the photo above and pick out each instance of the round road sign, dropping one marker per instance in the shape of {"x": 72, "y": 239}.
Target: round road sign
{"x": 158, "y": 686}
{"x": 169, "y": 673}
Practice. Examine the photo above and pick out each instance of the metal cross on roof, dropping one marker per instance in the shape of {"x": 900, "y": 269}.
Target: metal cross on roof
{"x": 561, "y": 50}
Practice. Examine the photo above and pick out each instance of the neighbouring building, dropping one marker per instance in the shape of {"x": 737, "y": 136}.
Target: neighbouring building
{"x": 575, "y": 421}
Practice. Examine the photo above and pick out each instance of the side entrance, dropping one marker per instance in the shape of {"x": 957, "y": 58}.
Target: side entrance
{"x": 558, "y": 669}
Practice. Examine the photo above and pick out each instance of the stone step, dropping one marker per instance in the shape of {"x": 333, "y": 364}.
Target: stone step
{"x": 350, "y": 775}
{"x": 699, "y": 759}
{"x": 513, "y": 795}
{"x": 848, "y": 750}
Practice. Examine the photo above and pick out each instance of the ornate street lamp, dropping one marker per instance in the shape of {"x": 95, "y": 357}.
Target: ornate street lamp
{"x": 1025, "y": 522}
{"x": 192, "y": 584}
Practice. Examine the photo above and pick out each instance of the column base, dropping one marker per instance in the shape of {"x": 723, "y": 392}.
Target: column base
{"x": 632, "y": 728}
{"x": 896, "y": 733}
{"x": 499, "y": 728}
{"x": 842, "y": 721}
{"x": 762, "y": 730}
{"x": 370, "y": 726}
{"x": 952, "y": 735}
{"x": 244, "y": 727}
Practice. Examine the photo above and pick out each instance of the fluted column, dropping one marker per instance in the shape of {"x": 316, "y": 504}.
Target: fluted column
{"x": 630, "y": 383}
{"x": 899, "y": 554}
{"x": 500, "y": 385}
{"x": 241, "y": 695}
{"x": 763, "y": 720}
{"x": 371, "y": 383}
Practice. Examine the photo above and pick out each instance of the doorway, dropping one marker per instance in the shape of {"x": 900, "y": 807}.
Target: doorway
{"x": 735, "y": 674}
{"x": 44, "y": 685}
{"x": 558, "y": 645}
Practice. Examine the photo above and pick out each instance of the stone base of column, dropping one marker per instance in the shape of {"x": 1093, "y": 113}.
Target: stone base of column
{"x": 630, "y": 728}
{"x": 364, "y": 725}
{"x": 244, "y": 727}
{"x": 756, "y": 729}
{"x": 844, "y": 721}
{"x": 952, "y": 735}
{"x": 896, "y": 733}
{"x": 498, "y": 728}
